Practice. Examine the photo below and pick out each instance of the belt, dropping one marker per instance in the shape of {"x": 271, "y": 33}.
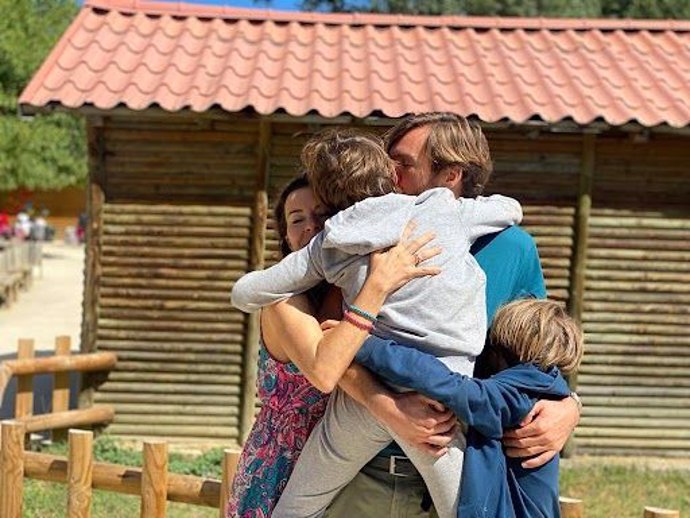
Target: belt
{"x": 395, "y": 465}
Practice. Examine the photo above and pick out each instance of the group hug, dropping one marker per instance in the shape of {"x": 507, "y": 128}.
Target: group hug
{"x": 409, "y": 362}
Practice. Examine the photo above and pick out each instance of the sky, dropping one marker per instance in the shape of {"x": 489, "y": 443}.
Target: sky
{"x": 282, "y": 5}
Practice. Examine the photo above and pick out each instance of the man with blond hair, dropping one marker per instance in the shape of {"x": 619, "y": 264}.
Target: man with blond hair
{"x": 430, "y": 150}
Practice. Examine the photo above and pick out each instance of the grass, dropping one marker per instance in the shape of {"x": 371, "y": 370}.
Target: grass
{"x": 610, "y": 488}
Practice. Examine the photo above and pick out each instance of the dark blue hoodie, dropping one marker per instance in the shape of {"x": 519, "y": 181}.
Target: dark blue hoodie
{"x": 493, "y": 485}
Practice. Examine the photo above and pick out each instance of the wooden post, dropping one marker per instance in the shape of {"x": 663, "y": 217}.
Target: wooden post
{"x": 79, "y": 474}
{"x": 571, "y": 507}
{"x": 230, "y": 460}
{"x": 92, "y": 270}
{"x": 63, "y": 346}
{"x": 11, "y": 469}
{"x": 584, "y": 208}
{"x": 578, "y": 267}
{"x": 154, "y": 480}
{"x": 656, "y": 512}
{"x": 24, "y": 401}
{"x": 257, "y": 249}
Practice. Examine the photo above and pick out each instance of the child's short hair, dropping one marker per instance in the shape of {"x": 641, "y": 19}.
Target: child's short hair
{"x": 540, "y": 332}
{"x": 344, "y": 167}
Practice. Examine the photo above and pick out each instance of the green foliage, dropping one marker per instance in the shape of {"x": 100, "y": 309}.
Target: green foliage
{"x": 678, "y": 9}
{"x": 46, "y": 151}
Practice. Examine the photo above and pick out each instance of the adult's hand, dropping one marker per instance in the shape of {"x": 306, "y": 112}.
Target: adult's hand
{"x": 393, "y": 268}
{"x": 543, "y": 432}
{"x": 421, "y": 422}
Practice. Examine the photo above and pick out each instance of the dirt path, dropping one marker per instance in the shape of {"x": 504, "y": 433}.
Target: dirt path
{"x": 52, "y": 306}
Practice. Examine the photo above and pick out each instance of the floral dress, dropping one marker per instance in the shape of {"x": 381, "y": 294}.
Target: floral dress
{"x": 291, "y": 408}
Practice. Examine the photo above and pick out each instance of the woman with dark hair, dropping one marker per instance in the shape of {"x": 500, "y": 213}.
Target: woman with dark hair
{"x": 287, "y": 369}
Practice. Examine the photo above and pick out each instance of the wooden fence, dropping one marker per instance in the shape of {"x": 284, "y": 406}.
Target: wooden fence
{"x": 60, "y": 364}
{"x": 152, "y": 483}
{"x": 17, "y": 261}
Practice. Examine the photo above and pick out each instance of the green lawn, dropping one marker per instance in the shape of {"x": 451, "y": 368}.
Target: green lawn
{"x": 608, "y": 487}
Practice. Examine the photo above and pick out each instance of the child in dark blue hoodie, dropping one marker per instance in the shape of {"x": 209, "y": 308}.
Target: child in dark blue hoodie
{"x": 531, "y": 343}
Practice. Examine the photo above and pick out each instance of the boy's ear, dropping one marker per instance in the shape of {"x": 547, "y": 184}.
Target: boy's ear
{"x": 453, "y": 178}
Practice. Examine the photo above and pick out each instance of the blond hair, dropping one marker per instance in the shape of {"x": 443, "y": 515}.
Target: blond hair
{"x": 344, "y": 167}
{"x": 452, "y": 141}
{"x": 540, "y": 332}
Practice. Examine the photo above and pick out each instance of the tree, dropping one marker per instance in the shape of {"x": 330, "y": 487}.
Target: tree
{"x": 47, "y": 151}
{"x": 678, "y": 9}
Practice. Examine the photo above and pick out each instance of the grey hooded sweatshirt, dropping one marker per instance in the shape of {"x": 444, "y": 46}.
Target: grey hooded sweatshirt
{"x": 443, "y": 315}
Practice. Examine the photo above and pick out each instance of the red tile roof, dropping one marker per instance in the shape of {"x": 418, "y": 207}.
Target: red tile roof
{"x": 184, "y": 56}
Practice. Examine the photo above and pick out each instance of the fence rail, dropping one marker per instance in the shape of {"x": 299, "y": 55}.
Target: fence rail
{"x": 60, "y": 364}
{"x": 17, "y": 262}
{"x": 152, "y": 482}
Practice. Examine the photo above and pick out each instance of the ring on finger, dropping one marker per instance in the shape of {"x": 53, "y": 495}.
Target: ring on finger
{"x": 417, "y": 259}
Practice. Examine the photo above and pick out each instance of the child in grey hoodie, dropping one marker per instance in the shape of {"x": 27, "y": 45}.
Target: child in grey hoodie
{"x": 444, "y": 315}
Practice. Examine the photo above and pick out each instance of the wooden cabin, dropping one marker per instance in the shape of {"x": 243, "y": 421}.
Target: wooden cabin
{"x": 196, "y": 116}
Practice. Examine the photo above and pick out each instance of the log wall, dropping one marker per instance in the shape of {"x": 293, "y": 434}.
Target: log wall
{"x": 176, "y": 230}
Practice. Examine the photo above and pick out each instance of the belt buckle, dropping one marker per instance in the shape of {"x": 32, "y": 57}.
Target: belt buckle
{"x": 391, "y": 465}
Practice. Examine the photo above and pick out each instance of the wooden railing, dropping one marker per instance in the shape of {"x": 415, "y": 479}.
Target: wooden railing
{"x": 60, "y": 364}
{"x": 574, "y": 508}
{"x": 152, "y": 482}
{"x": 17, "y": 262}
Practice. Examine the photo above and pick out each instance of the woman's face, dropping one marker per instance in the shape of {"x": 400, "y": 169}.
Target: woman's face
{"x": 304, "y": 217}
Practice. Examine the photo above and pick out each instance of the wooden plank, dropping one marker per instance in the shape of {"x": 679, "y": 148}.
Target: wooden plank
{"x": 11, "y": 469}
{"x": 24, "y": 400}
{"x": 79, "y": 363}
{"x": 69, "y": 418}
{"x": 571, "y": 507}
{"x": 657, "y": 512}
{"x": 124, "y": 479}
{"x": 92, "y": 271}
{"x": 63, "y": 345}
{"x": 154, "y": 480}
{"x": 79, "y": 474}
{"x": 229, "y": 467}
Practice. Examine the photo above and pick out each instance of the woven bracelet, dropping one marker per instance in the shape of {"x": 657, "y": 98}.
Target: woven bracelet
{"x": 364, "y": 314}
{"x": 352, "y": 319}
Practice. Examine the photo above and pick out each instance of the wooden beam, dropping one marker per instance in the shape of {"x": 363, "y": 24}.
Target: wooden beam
{"x": 68, "y": 419}
{"x": 230, "y": 460}
{"x": 92, "y": 270}
{"x": 257, "y": 250}
{"x": 154, "y": 480}
{"x": 657, "y": 512}
{"x": 26, "y": 366}
{"x": 79, "y": 474}
{"x": 63, "y": 345}
{"x": 578, "y": 268}
{"x": 11, "y": 469}
{"x": 582, "y": 214}
{"x": 78, "y": 362}
{"x": 123, "y": 479}
{"x": 24, "y": 400}
{"x": 571, "y": 507}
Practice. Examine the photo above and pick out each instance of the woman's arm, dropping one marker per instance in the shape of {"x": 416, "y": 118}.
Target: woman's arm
{"x": 323, "y": 358}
